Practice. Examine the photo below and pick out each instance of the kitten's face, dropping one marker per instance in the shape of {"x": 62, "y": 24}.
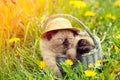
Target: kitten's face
{"x": 62, "y": 40}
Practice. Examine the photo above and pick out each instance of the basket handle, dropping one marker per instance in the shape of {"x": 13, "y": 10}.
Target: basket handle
{"x": 94, "y": 38}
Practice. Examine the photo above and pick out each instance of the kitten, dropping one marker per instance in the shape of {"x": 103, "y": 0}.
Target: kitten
{"x": 56, "y": 44}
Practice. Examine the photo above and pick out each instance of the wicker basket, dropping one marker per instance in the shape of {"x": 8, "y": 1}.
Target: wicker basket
{"x": 87, "y": 58}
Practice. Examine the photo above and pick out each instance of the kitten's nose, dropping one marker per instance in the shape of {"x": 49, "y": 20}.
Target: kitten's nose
{"x": 66, "y": 43}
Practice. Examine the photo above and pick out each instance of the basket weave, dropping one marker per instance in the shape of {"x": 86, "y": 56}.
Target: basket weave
{"x": 87, "y": 58}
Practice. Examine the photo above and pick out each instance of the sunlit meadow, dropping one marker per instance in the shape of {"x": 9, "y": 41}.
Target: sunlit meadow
{"x": 20, "y": 31}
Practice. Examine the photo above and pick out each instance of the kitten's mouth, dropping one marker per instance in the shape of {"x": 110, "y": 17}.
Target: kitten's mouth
{"x": 66, "y": 47}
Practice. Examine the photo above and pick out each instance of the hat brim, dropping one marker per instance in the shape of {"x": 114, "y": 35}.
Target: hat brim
{"x": 72, "y": 29}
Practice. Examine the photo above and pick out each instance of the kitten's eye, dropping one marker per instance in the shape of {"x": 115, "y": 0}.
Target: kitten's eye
{"x": 60, "y": 39}
{"x": 70, "y": 39}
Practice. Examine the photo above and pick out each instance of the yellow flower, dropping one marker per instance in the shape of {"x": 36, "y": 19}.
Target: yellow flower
{"x": 116, "y": 48}
{"x": 42, "y": 64}
{"x": 78, "y": 4}
{"x": 117, "y": 3}
{"x": 104, "y": 60}
{"x": 90, "y": 66}
{"x": 118, "y": 36}
{"x": 98, "y": 61}
{"x": 69, "y": 62}
{"x": 90, "y": 73}
{"x": 14, "y": 40}
{"x": 109, "y": 16}
{"x": 89, "y": 14}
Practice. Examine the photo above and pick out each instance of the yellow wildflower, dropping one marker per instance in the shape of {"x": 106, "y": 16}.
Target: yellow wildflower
{"x": 104, "y": 60}
{"x": 90, "y": 65}
{"x": 78, "y": 4}
{"x": 98, "y": 61}
{"x": 90, "y": 14}
{"x": 109, "y": 16}
{"x": 42, "y": 64}
{"x": 90, "y": 73}
{"x": 69, "y": 62}
{"x": 118, "y": 36}
{"x": 116, "y": 48}
{"x": 117, "y": 3}
{"x": 14, "y": 40}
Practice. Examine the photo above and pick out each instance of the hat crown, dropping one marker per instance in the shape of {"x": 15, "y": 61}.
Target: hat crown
{"x": 58, "y": 23}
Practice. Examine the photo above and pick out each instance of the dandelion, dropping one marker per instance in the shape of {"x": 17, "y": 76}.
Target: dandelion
{"x": 118, "y": 36}
{"x": 104, "y": 61}
{"x": 90, "y": 65}
{"x": 42, "y": 64}
{"x": 12, "y": 40}
{"x": 116, "y": 48}
{"x": 117, "y": 3}
{"x": 90, "y": 73}
{"x": 109, "y": 16}
{"x": 78, "y": 4}
{"x": 98, "y": 61}
{"x": 69, "y": 62}
{"x": 89, "y": 14}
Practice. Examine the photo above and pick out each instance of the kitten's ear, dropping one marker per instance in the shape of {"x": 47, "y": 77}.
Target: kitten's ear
{"x": 50, "y": 34}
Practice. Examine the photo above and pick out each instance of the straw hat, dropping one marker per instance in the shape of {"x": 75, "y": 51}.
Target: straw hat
{"x": 58, "y": 24}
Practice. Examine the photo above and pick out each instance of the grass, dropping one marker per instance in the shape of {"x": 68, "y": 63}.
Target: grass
{"x": 20, "y": 60}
